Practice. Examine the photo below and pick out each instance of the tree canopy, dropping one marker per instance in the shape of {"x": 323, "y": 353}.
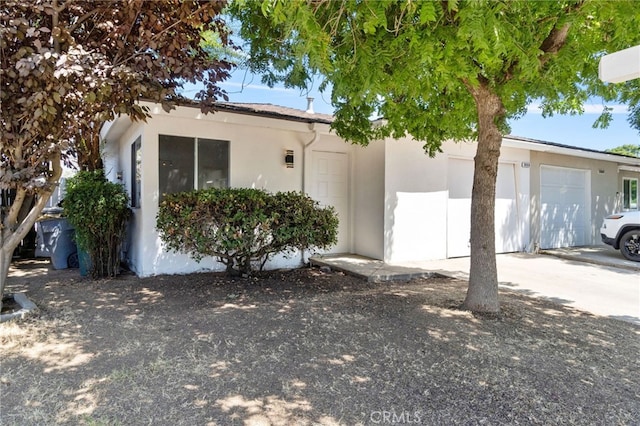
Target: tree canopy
{"x": 443, "y": 70}
{"x": 410, "y": 62}
{"x": 627, "y": 149}
{"x": 68, "y": 66}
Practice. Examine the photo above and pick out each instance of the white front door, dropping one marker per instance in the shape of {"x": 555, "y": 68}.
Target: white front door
{"x": 330, "y": 187}
{"x": 564, "y": 207}
{"x": 508, "y": 236}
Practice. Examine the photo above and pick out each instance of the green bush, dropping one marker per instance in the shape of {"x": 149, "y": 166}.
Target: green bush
{"x": 99, "y": 211}
{"x": 244, "y": 227}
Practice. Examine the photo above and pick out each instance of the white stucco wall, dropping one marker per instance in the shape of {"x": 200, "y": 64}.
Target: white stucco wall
{"x": 257, "y": 147}
{"x": 400, "y": 201}
{"x": 417, "y": 195}
{"x": 116, "y": 156}
{"x": 368, "y": 226}
{"x": 415, "y": 203}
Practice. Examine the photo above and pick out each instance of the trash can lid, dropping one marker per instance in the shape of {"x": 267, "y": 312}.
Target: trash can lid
{"x": 52, "y": 210}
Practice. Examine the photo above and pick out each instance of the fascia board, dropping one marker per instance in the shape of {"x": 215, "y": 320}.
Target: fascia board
{"x": 574, "y": 152}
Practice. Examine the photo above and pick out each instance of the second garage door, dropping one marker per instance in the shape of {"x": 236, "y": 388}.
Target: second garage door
{"x": 564, "y": 207}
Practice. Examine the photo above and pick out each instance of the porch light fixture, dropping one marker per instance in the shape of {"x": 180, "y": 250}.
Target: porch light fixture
{"x": 288, "y": 158}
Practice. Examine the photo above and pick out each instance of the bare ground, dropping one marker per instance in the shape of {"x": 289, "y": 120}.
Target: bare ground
{"x": 305, "y": 347}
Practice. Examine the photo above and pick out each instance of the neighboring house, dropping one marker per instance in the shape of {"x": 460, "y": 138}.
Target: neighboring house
{"x": 394, "y": 202}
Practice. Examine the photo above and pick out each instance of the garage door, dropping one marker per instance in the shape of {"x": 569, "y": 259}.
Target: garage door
{"x": 460, "y": 181}
{"x": 564, "y": 207}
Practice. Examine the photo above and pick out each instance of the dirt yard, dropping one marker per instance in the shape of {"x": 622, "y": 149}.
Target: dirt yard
{"x": 305, "y": 348}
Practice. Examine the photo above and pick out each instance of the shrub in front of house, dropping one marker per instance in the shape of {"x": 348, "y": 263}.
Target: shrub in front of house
{"x": 242, "y": 227}
{"x": 99, "y": 211}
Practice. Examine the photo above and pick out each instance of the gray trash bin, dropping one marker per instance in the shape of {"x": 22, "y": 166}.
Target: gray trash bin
{"x": 57, "y": 240}
{"x": 42, "y": 249}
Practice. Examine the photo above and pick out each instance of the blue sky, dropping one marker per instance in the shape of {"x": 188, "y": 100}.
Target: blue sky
{"x": 570, "y": 130}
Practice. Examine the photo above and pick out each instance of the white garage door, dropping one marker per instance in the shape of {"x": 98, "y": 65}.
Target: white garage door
{"x": 460, "y": 180}
{"x": 564, "y": 207}
{"x": 330, "y": 187}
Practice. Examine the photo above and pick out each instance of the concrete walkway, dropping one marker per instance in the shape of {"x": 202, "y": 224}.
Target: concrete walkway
{"x": 594, "y": 279}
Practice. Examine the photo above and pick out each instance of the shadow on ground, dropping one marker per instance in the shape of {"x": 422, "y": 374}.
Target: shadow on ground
{"x": 304, "y": 347}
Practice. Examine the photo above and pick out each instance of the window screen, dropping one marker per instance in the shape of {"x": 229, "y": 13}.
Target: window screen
{"x": 192, "y": 163}
{"x": 176, "y": 166}
{"x": 213, "y": 164}
{"x": 136, "y": 172}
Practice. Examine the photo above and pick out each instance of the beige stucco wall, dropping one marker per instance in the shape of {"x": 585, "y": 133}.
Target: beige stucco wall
{"x": 603, "y": 176}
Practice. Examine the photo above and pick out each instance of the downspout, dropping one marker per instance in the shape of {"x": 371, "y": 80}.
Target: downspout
{"x": 305, "y": 147}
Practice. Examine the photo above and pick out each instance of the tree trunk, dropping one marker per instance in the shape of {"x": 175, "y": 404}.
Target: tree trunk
{"x": 5, "y": 261}
{"x": 88, "y": 150}
{"x": 15, "y": 227}
{"x": 482, "y": 294}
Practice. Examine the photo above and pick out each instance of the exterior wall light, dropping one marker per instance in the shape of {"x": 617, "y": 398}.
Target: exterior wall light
{"x": 288, "y": 158}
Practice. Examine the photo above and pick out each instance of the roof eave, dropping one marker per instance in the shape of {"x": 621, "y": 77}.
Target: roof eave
{"x": 555, "y": 148}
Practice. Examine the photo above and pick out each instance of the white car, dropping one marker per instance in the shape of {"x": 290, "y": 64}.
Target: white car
{"x": 622, "y": 231}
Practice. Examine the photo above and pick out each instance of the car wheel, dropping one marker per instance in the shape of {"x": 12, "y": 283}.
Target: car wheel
{"x": 630, "y": 245}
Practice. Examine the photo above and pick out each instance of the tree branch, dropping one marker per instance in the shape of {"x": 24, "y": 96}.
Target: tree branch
{"x": 116, "y": 59}
{"x": 557, "y": 38}
{"x": 156, "y": 36}
{"x": 552, "y": 44}
{"x": 83, "y": 18}
{"x": 11, "y": 219}
{"x": 55, "y": 16}
{"x": 25, "y": 225}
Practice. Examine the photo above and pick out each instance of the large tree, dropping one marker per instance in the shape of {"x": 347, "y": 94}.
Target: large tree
{"x": 69, "y": 66}
{"x": 442, "y": 70}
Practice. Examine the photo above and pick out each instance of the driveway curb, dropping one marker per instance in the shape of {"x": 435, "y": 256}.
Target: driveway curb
{"x": 597, "y": 258}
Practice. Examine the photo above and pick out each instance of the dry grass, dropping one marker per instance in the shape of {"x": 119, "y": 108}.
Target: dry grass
{"x": 305, "y": 348}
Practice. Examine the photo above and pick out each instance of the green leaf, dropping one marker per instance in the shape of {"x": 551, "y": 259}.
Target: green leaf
{"x": 427, "y": 12}
{"x": 244, "y": 225}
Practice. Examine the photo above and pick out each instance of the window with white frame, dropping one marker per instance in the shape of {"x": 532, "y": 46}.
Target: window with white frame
{"x": 630, "y": 194}
{"x": 192, "y": 163}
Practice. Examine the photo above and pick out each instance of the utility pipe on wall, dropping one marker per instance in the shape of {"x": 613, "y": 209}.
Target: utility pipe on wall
{"x": 305, "y": 147}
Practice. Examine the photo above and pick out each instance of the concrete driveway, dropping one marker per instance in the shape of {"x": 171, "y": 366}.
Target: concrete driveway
{"x": 602, "y": 290}
{"x": 588, "y": 284}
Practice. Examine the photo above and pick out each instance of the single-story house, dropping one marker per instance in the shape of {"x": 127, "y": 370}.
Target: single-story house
{"x": 394, "y": 202}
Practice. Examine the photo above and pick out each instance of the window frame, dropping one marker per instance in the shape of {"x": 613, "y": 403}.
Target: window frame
{"x": 628, "y": 194}
{"x": 194, "y": 143}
